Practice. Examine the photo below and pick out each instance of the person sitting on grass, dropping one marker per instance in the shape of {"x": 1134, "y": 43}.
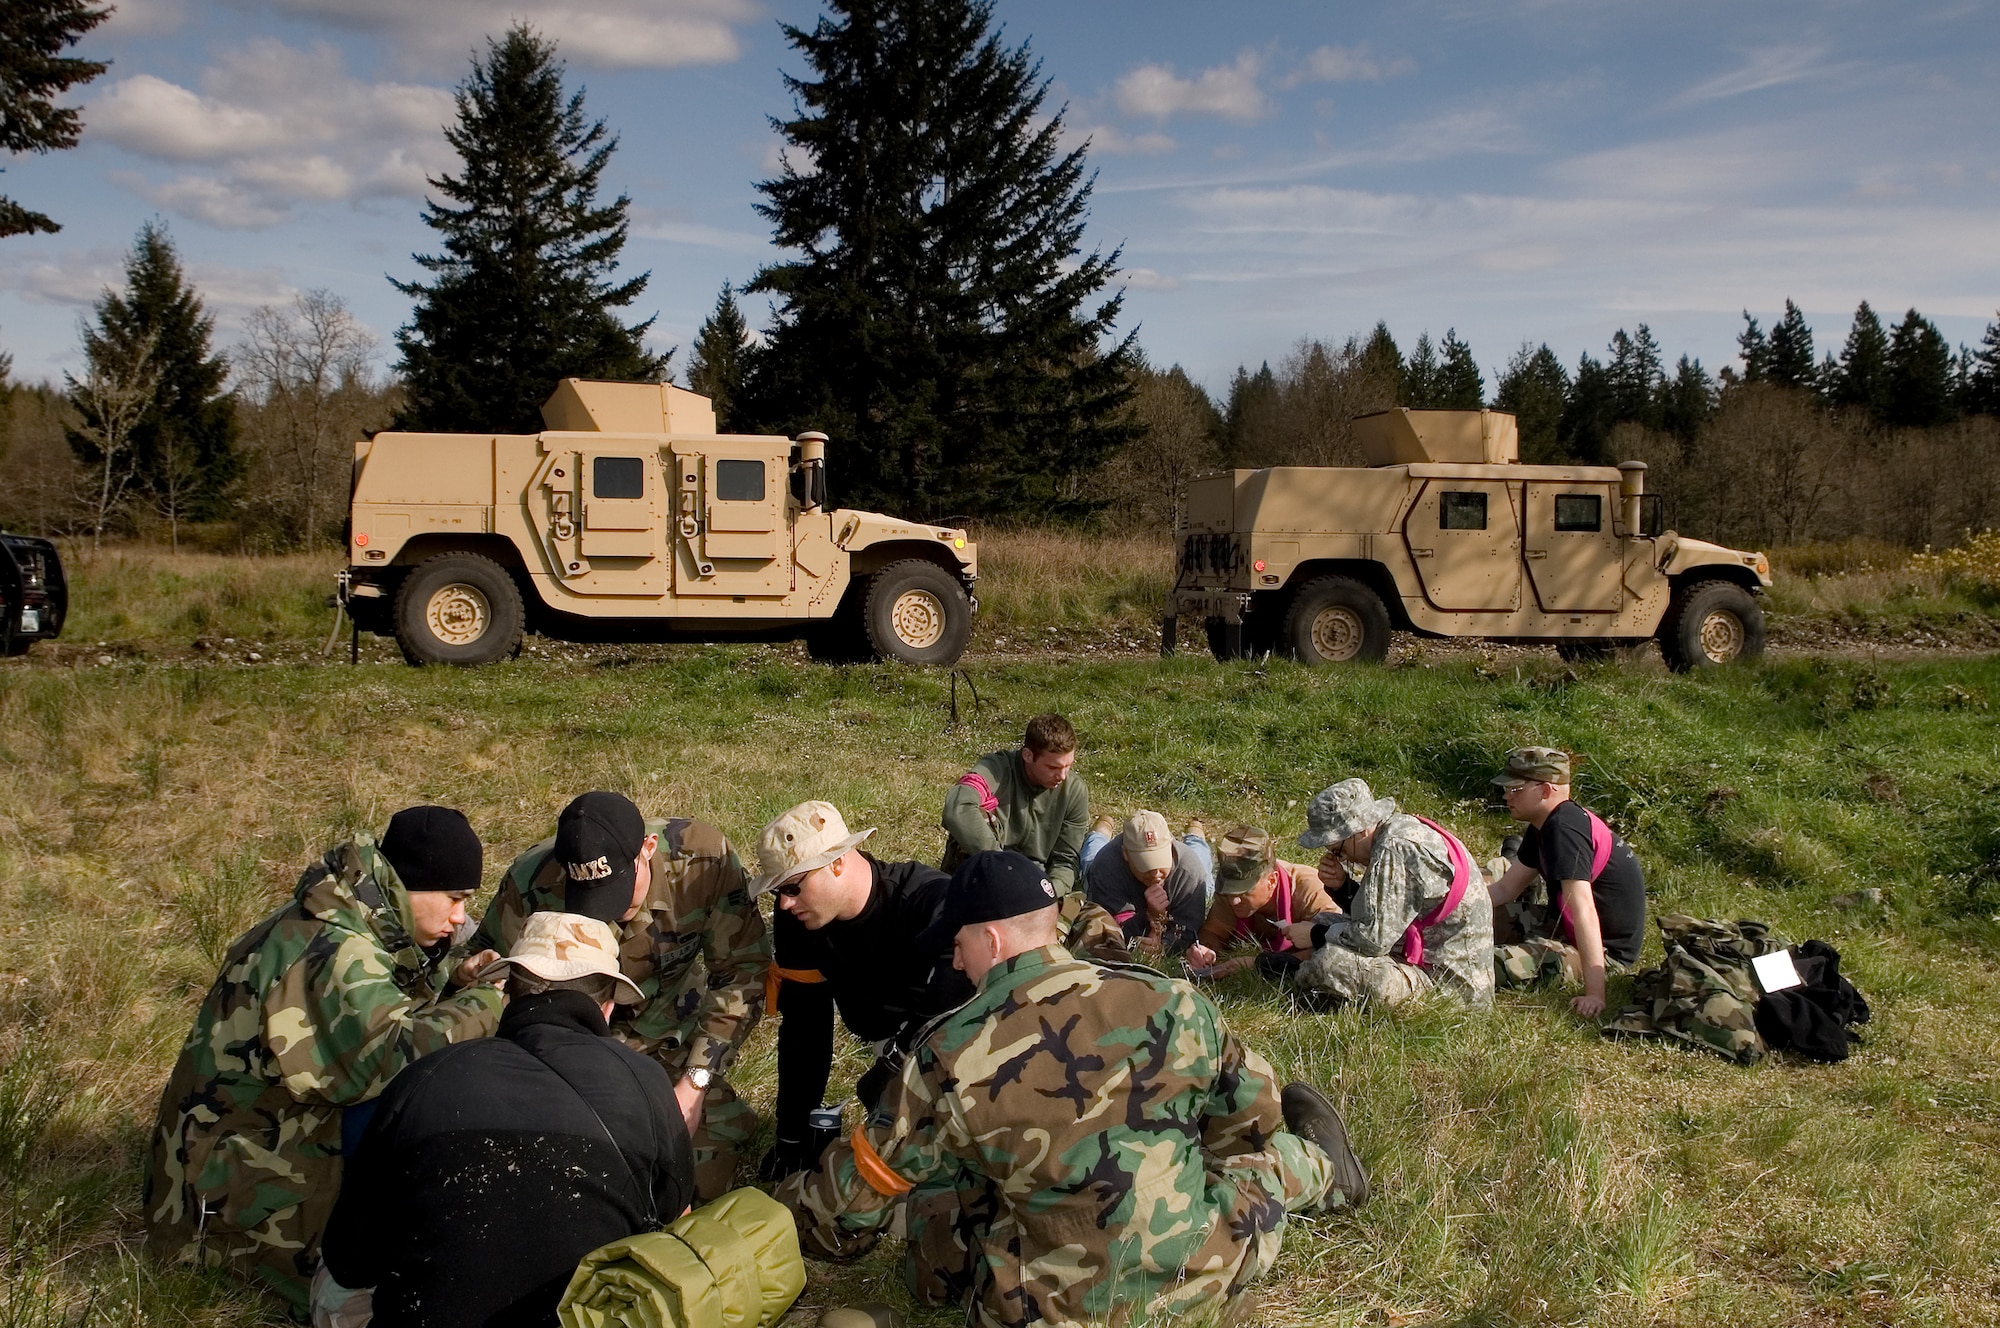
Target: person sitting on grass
{"x": 1592, "y": 916}
{"x": 1259, "y": 900}
{"x": 1154, "y": 885}
{"x": 1028, "y": 799}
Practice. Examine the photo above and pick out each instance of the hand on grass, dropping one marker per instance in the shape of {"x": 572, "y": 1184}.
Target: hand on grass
{"x": 1200, "y": 956}
{"x": 1588, "y": 1006}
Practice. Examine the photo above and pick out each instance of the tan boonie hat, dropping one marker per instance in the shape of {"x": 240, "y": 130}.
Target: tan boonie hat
{"x": 1534, "y": 765}
{"x": 1241, "y": 860}
{"x": 804, "y": 839}
{"x": 558, "y": 946}
{"x": 1149, "y": 844}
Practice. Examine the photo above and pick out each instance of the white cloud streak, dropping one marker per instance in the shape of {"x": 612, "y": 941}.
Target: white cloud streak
{"x": 1229, "y": 91}
{"x": 610, "y": 34}
{"x": 1346, "y": 64}
{"x": 1768, "y": 68}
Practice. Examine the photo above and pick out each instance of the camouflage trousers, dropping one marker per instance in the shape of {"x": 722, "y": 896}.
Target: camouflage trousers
{"x": 963, "y": 1249}
{"x": 1358, "y": 979}
{"x": 722, "y": 1140}
{"x": 1528, "y": 953}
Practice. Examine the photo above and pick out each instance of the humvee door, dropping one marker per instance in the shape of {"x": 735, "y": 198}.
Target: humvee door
{"x": 1465, "y": 539}
{"x": 1572, "y": 551}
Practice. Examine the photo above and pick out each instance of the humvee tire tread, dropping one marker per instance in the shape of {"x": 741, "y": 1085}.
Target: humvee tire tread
{"x": 1688, "y": 612}
{"x": 1337, "y": 592}
{"x": 501, "y": 637}
{"x": 916, "y": 577}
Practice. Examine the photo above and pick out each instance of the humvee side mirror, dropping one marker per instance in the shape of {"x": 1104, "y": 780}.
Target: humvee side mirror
{"x": 1652, "y": 515}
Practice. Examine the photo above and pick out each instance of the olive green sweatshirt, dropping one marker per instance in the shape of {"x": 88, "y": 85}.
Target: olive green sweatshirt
{"x": 994, "y": 806}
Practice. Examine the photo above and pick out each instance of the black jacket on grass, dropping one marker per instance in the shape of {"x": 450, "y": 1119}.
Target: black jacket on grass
{"x": 484, "y": 1177}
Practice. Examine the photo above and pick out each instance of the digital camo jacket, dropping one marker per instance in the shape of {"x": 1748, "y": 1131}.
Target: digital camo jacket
{"x": 1409, "y": 874}
{"x": 1075, "y": 1144}
{"x": 316, "y": 1009}
{"x": 698, "y": 948}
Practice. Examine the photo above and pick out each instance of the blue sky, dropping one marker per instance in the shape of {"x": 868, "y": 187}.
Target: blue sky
{"x": 1548, "y": 170}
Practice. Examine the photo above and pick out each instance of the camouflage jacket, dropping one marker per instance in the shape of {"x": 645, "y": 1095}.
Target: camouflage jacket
{"x": 1704, "y": 993}
{"x": 1046, "y": 824}
{"x": 1088, "y": 1103}
{"x": 1409, "y": 874}
{"x": 317, "y": 1008}
{"x": 698, "y": 909}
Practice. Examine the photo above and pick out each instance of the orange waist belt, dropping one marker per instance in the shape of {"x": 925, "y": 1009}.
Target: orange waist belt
{"x": 774, "y": 975}
{"x": 868, "y": 1164}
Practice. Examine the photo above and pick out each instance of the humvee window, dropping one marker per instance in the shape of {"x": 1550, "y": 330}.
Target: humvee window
{"x": 1461, "y": 511}
{"x": 739, "y": 481}
{"x": 1579, "y": 511}
{"x": 618, "y": 477}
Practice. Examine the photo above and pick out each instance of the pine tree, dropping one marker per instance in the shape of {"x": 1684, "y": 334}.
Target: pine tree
{"x": 1247, "y": 416}
{"x": 1459, "y": 385}
{"x": 1982, "y": 379}
{"x": 1636, "y": 377}
{"x": 1585, "y": 430}
{"x": 523, "y": 294}
{"x": 1754, "y": 350}
{"x": 33, "y": 72}
{"x": 941, "y": 320}
{"x": 1421, "y": 372}
{"x": 1380, "y": 357}
{"x": 1862, "y": 380}
{"x": 1533, "y": 387}
{"x": 1792, "y": 363}
{"x": 721, "y": 359}
{"x": 182, "y": 448}
{"x": 1919, "y": 368}
{"x": 1687, "y": 400}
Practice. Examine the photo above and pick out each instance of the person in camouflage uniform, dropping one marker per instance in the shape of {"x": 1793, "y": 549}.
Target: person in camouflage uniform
{"x": 315, "y": 1010}
{"x": 690, "y": 938}
{"x": 1421, "y": 920}
{"x": 1078, "y": 1143}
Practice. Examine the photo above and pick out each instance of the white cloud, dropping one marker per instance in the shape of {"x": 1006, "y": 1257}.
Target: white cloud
{"x": 78, "y": 277}
{"x": 1146, "y": 279}
{"x": 145, "y": 18}
{"x": 611, "y": 34}
{"x": 1109, "y": 138}
{"x": 272, "y": 127}
{"x": 1768, "y": 68}
{"x": 1346, "y": 64}
{"x": 1230, "y": 91}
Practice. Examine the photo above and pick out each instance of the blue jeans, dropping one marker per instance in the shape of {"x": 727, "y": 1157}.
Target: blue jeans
{"x": 1204, "y": 858}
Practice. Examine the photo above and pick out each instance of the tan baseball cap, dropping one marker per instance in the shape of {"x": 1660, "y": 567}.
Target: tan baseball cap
{"x": 558, "y": 946}
{"x": 1534, "y": 765}
{"x": 1149, "y": 844}
{"x": 803, "y": 839}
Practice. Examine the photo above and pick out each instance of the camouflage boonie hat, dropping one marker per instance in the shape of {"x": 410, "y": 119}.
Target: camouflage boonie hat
{"x": 557, "y": 946}
{"x": 1534, "y": 765}
{"x": 1241, "y": 859}
{"x": 802, "y": 840}
{"x": 1344, "y": 809}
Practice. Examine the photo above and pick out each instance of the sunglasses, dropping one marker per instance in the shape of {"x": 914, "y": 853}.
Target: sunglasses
{"x": 790, "y": 889}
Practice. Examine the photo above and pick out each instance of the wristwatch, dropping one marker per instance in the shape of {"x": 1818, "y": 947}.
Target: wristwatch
{"x": 701, "y": 1076}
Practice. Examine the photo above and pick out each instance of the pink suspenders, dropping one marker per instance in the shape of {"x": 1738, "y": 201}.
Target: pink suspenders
{"x": 1461, "y": 877}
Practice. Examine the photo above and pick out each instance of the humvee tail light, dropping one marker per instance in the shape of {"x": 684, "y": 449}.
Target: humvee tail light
{"x": 1259, "y": 564}
{"x": 361, "y": 541}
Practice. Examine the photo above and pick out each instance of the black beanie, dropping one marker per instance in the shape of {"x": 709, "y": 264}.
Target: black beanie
{"x": 433, "y": 848}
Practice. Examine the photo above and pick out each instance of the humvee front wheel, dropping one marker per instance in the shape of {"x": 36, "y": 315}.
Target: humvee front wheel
{"x": 1709, "y": 624}
{"x": 917, "y": 613}
{"x": 1337, "y": 620}
{"x": 458, "y": 608}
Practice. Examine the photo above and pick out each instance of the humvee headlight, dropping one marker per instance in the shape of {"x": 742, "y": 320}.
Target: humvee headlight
{"x": 958, "y": 544}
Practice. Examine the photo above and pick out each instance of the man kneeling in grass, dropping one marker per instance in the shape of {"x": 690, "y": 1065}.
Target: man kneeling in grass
{"x": 1595, "y": 914}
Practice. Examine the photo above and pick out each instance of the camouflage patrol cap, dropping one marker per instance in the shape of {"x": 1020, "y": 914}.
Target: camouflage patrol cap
{"x": 1534, "y": 765}
{"x": 1241, "y": 859}
{"x": 1343, "y": 810}
{"x": 559, "y": 946}
{"x": 802, "y": 840}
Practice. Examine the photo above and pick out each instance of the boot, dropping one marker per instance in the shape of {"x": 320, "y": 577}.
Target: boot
{"x": 1310, "y": 1116}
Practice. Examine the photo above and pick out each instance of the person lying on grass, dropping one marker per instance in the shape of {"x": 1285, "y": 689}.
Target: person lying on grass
{"x": 1258, "y": 900}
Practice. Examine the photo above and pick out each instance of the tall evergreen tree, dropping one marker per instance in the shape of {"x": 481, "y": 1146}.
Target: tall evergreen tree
{"x": 1253, "y": 400}
{"x": 1636, "y": 377}
{"x": 1919, "y": 368}
{"x": 182, "y": 446}
{"x": 1982, "y": 379}
{"x": 1533, "y": 387}
{"x": 1792, "y": 363}
{"x": 1754, "y": 348}
{"x": 523, "y": 293}
{"x": 1585, "y": 431}
{"x": 33, "y": 73}
{"x": 1381, "y": 358}
{"x": 1862, "y": 380}
{"x": 941, "y": 319}
{"x": 1687, "y": 400}
{"x": 1421, "y": 372}
{"x": 1459, "y": 383}
{"x": 721, "y": 358}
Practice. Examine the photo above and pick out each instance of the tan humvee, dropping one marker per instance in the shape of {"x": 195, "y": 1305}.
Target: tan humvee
{"x": 1446, "y": 534}
{"x": 631, "y": 519}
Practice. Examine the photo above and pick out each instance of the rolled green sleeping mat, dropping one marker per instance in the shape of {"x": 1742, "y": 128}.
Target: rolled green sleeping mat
{"x": 733, "y": 1263}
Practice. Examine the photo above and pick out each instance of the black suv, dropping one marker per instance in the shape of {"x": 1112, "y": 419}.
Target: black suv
{"x": 33, "y": 594}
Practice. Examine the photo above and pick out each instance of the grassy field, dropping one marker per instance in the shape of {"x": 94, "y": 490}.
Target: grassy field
{"x": 1526, "y": 1170}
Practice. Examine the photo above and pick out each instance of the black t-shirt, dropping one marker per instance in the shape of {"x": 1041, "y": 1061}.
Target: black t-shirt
{"x": 1561, "y": 851}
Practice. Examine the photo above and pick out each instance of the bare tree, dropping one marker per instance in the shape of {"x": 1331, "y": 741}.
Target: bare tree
{"x": 306, "y": 369}
{"x": 115, "y": 393}
{"x": 1146, "y": 480}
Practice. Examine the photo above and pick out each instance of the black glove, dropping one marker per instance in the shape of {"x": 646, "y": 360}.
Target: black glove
{"x": 790, "y": 1155}
{"x": 887, "y": 1067}
{"x": 1277, "y": 965}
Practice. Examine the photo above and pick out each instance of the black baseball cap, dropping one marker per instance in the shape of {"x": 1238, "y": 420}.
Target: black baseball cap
{"x": 597, "y": 838}
{"x": 433, "y": 848}
{"x": 986, "y": 888}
